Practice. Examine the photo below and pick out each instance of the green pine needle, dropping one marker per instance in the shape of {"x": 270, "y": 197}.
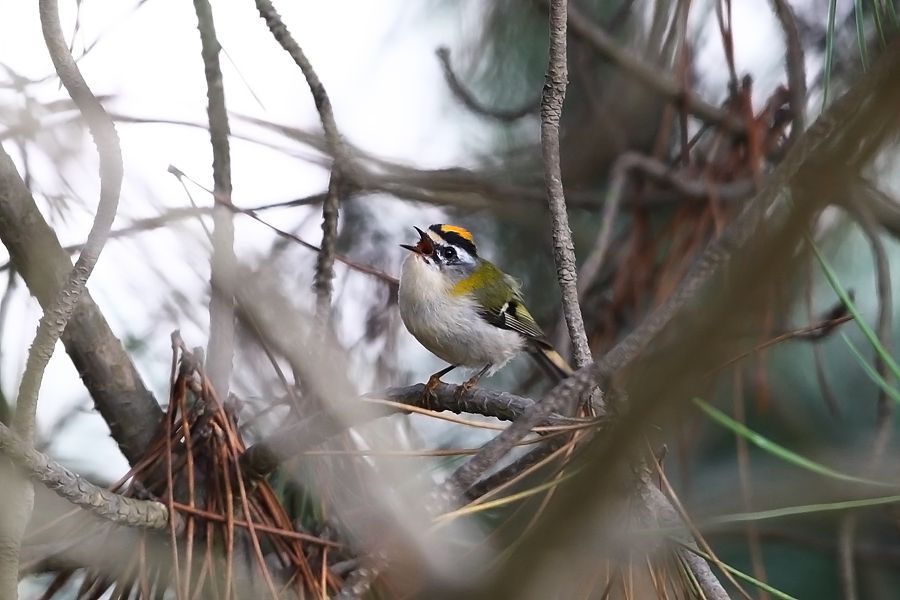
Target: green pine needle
{"x": 867, "y": 330}
{"x": 778, "y": 450}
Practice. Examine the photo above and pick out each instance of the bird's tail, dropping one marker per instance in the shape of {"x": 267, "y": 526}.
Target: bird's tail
{"x": 551, "y": 361}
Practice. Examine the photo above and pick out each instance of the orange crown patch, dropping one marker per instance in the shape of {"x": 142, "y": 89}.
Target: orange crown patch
{"x": 461, "y": 232}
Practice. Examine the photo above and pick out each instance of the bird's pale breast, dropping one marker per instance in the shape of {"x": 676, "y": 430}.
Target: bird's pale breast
{"x": 447, "y": 325}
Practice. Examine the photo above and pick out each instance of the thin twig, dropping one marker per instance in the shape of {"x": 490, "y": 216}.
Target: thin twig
{"x": 324, "y": 278}
{"x": 464, "y": 95}
{"x": 340, "y": 168}
{"x": 846, "y": 556}
{"x": 552, "y": 99}
{"x": 795, "y": 66}
{"x": 107, "y": 141}
{"x": 220, "y": 349}
{"x": 356, "y": 266}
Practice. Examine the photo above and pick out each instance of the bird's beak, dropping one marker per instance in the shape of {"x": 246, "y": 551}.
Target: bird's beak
{"x": 425, "y": 247}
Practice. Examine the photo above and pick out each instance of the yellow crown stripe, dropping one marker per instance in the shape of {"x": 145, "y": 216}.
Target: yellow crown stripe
{"x": 461, "y": 232}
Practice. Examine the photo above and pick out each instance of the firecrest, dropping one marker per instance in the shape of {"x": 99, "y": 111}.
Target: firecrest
{"x": 467, "y": 311}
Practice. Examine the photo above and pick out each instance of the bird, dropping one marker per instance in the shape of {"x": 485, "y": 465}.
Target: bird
{"x": 466, "y": 311}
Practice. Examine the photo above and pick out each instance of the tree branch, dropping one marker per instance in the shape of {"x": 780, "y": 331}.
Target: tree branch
{"x": 507, "y": 115}
{"x": 220, "y": 349}
{"x": 81, "y": 492}
{"x": 795, "y": 66}
{"x": 552, "y": 99}
{"x": 19, "y": 502}
{"x": 102, "y": 363}
{"x": 342, "y": 165}
{"x": 263, "y": 457}
{"x": 652, "y": 77}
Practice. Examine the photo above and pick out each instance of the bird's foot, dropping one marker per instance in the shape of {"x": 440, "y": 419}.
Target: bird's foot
{"x": 471, "y": 382}
{"x": 428, "y": 395}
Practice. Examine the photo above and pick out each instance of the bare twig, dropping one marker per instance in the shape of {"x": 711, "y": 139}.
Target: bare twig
{"x": 251, "y": 212}
{"x": 323, "y": 283}
{"x": 79, "y": 491}
{"x": 554, "y": 95}
{"x": 796, "y": 69}
{"x": 342, "y": 165}
{"x": 107, "y": 141}
{"x": 464, "y": 95}
{"x": 846, "y": 556}
{"x": 220, "y": 349}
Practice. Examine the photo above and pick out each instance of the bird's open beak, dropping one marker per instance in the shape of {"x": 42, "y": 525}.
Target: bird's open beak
{"x": 425, "y": 247}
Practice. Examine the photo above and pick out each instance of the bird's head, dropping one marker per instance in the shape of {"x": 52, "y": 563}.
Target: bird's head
{"x": 446, "y": 248}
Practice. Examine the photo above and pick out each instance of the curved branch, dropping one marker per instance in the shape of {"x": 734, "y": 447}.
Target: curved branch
{"x": 107, "y": 371}
{"x": 81, "y": 492}
{"x": 106, "y": 139}
{"x": 507, "y": 115}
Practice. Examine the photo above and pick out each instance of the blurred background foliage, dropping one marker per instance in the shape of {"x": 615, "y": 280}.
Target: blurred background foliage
{"x": 807, "y": 395}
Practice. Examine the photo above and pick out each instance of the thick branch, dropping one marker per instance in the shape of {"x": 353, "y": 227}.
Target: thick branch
{"x": 220, "y": 349}
{"x": 79, "y": 491}
{"x": 563, "y": 248}
{"x": 105, "y": 368}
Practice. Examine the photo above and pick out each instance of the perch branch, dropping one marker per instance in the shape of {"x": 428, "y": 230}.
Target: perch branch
{"x": 261, "y": 458}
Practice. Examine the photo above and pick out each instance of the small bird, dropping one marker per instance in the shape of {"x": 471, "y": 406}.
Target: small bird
{"x": 467, "y": 311}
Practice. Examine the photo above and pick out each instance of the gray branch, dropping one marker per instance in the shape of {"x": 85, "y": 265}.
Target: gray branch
{"x": 262, "y": 458}
{"x": 563, "y": 248}
{"x": 79, "y": 491}
{"x": 342, "y": 165}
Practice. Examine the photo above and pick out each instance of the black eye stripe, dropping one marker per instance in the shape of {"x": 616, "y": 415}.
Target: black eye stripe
{"x": 454, "y": 239}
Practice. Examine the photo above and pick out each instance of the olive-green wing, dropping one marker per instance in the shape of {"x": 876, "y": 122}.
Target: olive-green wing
{"x": 502, "y": 305}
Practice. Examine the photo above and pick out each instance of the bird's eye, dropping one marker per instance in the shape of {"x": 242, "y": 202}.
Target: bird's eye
{"x": 448, "y": 253}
